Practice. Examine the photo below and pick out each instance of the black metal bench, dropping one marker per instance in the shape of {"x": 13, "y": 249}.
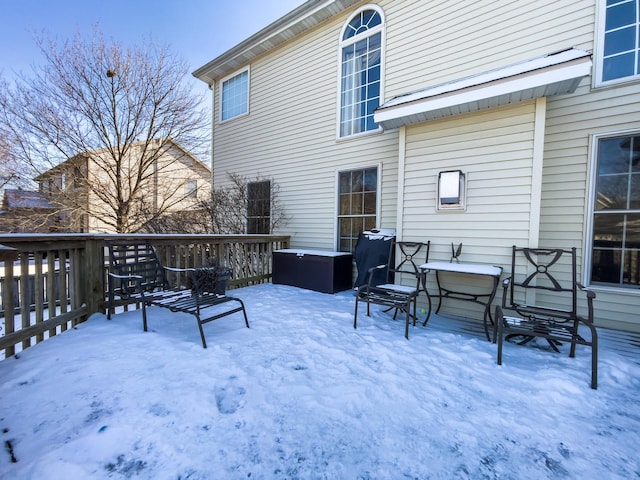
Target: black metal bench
{"x": 136, "y": 274}
{"x": 522, "y": 318}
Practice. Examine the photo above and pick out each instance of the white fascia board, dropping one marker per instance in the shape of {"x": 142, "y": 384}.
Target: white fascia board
{"x": 469, "y": 90}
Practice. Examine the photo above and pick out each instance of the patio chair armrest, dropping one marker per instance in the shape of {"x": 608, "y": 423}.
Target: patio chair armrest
{"x": 590, "y": 293}
{"x": 371, "y": 271}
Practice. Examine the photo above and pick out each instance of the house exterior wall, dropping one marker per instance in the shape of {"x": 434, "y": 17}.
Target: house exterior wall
{"x": 289, "y": 136}
{"x": 569, "y": 160}
{"x": 528, "y": 165}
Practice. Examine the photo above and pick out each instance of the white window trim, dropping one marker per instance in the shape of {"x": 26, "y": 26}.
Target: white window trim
{"x": 601, "y": 8}
{"x": 336, "y": 195}
{"x": 589, "y": 212}
{"x": 222, "y": 80}
{"x": 383, "y": 47}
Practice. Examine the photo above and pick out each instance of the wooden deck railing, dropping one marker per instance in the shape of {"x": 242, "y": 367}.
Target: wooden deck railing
{"x": 50, "y": 283}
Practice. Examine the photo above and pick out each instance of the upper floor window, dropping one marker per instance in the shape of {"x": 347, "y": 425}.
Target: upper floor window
{"x": 619, "y": 40}
{"x": 360, "y": 78}
{"x": 615, "y": 236}
{"x": 235, "y": 96}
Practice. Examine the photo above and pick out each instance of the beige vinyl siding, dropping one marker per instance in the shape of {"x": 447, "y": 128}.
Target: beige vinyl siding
{"x": 290, "y": 137}
{"x": 461, "y": 38}
{"x": 494, "y": 149}
{"x": 571, "y": 121}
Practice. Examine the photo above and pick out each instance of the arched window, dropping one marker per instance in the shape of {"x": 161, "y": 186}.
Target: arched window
{"x": 361, "y": 71}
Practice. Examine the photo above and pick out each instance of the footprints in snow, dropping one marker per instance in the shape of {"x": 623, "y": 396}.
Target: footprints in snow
{"x": 229, "y": 396}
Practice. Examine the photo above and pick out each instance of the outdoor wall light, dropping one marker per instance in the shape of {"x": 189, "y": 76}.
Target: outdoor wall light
{"x": 451, "y": 190}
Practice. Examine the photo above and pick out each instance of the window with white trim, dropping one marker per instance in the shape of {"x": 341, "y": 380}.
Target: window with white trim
{"x": 361, "y": 71}
{"x": 615, "y": 255}
{"x": 619, "y": 40}
{"x": 357, "y": 205}
{"x": 234, "y": 96}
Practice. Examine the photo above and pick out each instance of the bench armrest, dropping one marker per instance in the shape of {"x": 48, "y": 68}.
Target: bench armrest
{"x": 179, "y": 270}
{"x": 125, "y": 277}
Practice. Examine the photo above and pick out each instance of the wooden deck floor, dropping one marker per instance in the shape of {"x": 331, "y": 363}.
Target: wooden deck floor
{"x": 623, "y": 343}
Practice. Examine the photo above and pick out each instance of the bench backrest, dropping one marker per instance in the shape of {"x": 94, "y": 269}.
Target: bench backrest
{"x": 140, "y": 259}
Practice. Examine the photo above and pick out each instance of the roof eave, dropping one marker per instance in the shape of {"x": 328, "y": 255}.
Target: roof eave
{"x": 556, "y": 79}
{"x": 305, "y": 17}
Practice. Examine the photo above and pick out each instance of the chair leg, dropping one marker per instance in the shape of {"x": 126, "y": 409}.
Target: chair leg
{"x": 244, "y": 312}
{"x": 204, "y": 342}
{"x": 594, "y": 364}
{"x": 499, "y": 333}
{"x": 574, "y": 335}
{"x": 144, "y": 316}
{"x": 594, "y": 357}
{"x": 415, "y": 310}
{"x": 355, "y": 315}
{"x": 408, "y": 316}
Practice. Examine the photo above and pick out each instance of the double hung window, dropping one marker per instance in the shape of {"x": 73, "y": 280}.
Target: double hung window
{"x": 615, "y": 256}
{"x": 235, "y": 96}
{"x": 619, "y": 40}
{"x": 361, "y": 64}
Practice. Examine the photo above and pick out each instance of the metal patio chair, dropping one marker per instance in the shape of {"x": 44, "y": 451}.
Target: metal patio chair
{"x": 522, "y": 317}
{"x": 398, "y": 297}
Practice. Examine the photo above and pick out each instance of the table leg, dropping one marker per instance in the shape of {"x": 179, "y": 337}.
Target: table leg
{"x": 426, "y": 291}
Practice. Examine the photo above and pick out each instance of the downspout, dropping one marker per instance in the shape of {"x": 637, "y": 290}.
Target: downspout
{"x": 402, "y": 142}
{"x": 213, "y": 122}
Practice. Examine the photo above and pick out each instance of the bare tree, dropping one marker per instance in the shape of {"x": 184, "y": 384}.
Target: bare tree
{"x": 247, "y": 205}
{"x": 108, "y": 118}
{"x": 235, "y": 210}
{"x": 13, "y": 172}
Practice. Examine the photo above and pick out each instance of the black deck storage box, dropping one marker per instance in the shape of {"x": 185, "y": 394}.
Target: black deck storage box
{"x": 318, "y": 270}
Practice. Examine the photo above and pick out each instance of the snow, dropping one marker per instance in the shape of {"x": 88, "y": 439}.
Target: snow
{"x": 301, "y": 394}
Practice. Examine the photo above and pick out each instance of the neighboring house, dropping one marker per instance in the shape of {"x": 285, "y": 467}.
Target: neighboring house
{"x": 487, "y": 123}
{"x": 25, "y": 211}
{"x": 172, "y": 183}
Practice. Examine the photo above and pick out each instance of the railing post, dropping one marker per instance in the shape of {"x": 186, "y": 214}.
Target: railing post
{"x": 8, "y": 255}
{"x": 94, "y": 275}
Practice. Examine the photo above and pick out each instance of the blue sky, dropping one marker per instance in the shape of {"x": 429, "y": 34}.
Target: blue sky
{"x": 198, "y": 30}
